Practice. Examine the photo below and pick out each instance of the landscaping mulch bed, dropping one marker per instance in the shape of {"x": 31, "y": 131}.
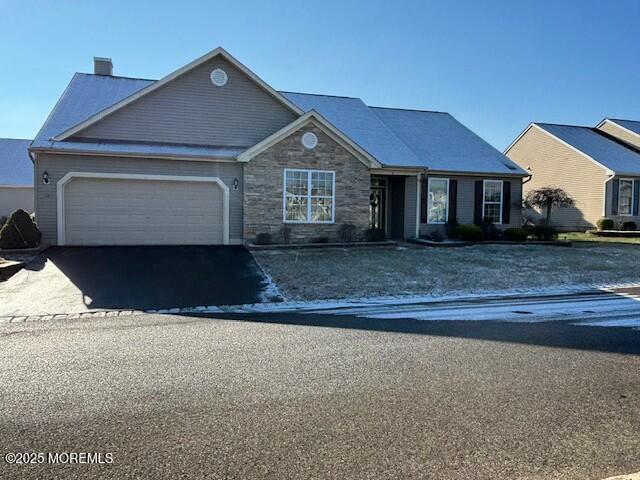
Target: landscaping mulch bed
{"x": 409, "y": 270}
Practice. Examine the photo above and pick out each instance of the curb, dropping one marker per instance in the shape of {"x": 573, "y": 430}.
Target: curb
{"x": 329, "y": 304}
{"x": 631, "y": 476}
{"x": 105, "y": 314}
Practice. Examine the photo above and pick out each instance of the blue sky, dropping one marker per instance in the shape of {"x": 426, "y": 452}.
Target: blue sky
{"x": 495, "y": 65}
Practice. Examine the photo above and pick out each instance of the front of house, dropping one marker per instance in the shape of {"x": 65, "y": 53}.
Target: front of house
{"x": 598, "y": 167}
{"x": 211, "y": 154}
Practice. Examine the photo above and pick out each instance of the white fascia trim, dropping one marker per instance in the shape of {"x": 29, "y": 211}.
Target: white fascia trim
{"x": 613, "y": 122}
{"x": 62, "y": 151}
{"x": 60, "y": 189}
{"x": 324, "y": 125}
{"x": 605, "y": 168}
{"x": 453, "y": 173}
{"x": 172, "y": 76}
{"x": 518, "y": 138}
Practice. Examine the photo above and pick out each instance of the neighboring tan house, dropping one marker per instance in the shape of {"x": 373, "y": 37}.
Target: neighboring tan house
{"x": 211, "y": 154}
{"x": 16, "y": 176}
{"x": 599, "y": 167}
{"x": 627, "y": 130}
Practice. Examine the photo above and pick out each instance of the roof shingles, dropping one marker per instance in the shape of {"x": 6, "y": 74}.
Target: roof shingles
{"x": 396, "y": 138}
{"x": 16, "y": 168}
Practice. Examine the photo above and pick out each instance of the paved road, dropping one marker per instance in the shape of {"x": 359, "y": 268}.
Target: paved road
{"x": 319, "y": 396}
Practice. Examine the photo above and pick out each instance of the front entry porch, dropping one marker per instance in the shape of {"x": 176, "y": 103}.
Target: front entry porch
{"x": 394, "y": 205}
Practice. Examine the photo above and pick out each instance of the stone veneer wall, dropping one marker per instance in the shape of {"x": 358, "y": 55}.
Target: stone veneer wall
{"x": 264, "y": 185}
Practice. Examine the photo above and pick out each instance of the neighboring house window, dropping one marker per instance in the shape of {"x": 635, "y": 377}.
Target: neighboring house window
{"x": 309, "y": 196}
{"x": 492, "y": 201}
{"x": 625, "y": 197}
{"x": 437, "y": 200}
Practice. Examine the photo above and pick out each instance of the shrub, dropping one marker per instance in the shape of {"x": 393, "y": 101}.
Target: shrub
{"x": 516, "y": 234}
{"x": 468, "y": 233}
{"x": 286, "y": 233}
{"x": 605, "y": 224}
{"x": 546, "y": 198}
{"x": 450, "y": 228}
{"x": 346, "y": 232}
{"x": 437, "y": 236}
{"x": 489, "y": 230}
{"x": 3, "y": 220}
{"x": 19, "y": 231}
{"x": 320, "y": 239}
{"x": 629, "y": 226}
{"x": 264, "y": 238}
{"x": 544, "y": 232}
{"x": 374, "y": 235}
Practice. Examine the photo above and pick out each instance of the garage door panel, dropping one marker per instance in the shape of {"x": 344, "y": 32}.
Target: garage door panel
{"x": 102, "y": 211}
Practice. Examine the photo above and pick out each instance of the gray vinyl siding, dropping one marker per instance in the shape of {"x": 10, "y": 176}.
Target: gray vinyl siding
{"x": 191, "y": 110}
{"x": 59, "y": 165}
{"x": 410, "y": 204}
{"x": 554, "y": 164}
{"x": 13, "y": 198}
{"x": 465, "y": 200}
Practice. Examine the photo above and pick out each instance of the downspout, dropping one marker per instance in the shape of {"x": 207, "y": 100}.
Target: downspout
{"x": 32, "y": 156}
{"x": 604, "y": 192}
{"x": 418, "y": 192}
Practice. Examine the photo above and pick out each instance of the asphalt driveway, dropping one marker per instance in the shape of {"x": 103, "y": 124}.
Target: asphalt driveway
{"x": 316, "y": 397}
{"x": 73, "y": 280}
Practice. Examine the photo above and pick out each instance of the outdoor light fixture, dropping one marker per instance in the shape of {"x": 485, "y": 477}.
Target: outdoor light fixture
{"x": 236, "y": 182}
{"x": 45, "y": 177}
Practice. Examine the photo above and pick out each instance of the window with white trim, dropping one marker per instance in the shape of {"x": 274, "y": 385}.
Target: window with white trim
{"x": 625, "y": 197}
{"x": 437, "y": 200}
{"x": 309, "y": 196}
{"x": 492, "y": 201}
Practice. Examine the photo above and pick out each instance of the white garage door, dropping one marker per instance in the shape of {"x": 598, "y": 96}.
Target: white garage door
{"x": 125, "y": 211}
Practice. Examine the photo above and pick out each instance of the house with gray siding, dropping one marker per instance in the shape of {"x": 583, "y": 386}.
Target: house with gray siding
{"x": 211, "y": 154}
{"x": 16, "y": 176}
{"x": 599, "y": 167}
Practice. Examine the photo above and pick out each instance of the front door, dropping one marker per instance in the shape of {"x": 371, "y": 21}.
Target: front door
{"x": 377, "y": 204}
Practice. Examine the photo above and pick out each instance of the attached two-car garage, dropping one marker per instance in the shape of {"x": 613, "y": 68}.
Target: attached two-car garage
{"x": 131, "y": 209}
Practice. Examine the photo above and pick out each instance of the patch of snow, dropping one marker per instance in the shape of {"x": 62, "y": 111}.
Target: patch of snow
{"x": 397, "y": 300}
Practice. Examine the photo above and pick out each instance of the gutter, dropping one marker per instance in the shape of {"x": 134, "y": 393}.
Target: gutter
{"x": 604, "y": 192}
{"x": 156, "y": 156}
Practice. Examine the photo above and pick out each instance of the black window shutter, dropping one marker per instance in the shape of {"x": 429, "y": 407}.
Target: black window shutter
{"x": 506, "y": 201}
{"x": 636, "y": 198}
{"x": 477, "y": 217}
{"x": 614, "y": 196}
{"x": 423, "y": 200}
{"x": 453, "y": 201}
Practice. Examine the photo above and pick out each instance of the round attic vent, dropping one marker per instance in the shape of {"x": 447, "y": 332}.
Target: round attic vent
{"x": 309, "y": 140}
{"x": 218, "y": 77}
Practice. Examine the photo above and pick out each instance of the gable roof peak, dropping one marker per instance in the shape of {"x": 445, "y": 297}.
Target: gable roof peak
{"x": 218, "y": 51}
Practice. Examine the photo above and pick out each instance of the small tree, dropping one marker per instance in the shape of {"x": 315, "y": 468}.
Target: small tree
{"x": 546, "y": 198}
